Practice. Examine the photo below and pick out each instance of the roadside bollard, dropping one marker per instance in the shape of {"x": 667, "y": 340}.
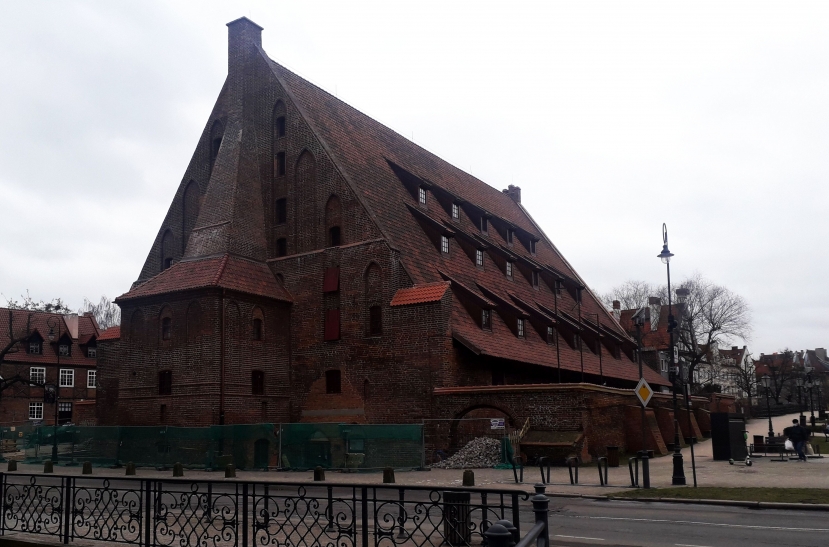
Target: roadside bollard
{"x": 388, "y": 475}
{"x": 48, "y": 467}
{"x": 178, "y": 470}
{"x": 498, "y": 536}
{"x": 468, "y": 477}
{"x": 646, "y": 471}
{"x": 512, "y": 530}
{"x": 230, "y": 471}
{"x": 12, "y": 465}
{"x": 87, "y": 468}
{"x": 319, "y": 474}
{"x": 130, "y": 468}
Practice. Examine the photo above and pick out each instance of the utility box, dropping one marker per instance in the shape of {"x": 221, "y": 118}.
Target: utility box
{"x": 727, "y": 440}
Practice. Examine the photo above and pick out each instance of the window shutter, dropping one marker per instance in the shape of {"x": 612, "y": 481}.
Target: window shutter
{"x": 331, "y": 280}
{"x": 332, "y": 324}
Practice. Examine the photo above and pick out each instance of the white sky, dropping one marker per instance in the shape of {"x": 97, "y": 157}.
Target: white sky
{"x": 613, "y": 117}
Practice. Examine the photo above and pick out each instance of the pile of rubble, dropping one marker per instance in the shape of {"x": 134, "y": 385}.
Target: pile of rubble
{"x": 479, "y": 452}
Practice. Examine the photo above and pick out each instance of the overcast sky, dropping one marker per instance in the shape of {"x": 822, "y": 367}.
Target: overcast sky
{"x": 612, "y": 117}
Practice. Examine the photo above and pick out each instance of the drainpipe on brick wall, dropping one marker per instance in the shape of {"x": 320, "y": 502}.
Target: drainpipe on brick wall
{"x": 581, "y": 341}
{"x": 222, "y": 360}
{"x": 557, "y": 284}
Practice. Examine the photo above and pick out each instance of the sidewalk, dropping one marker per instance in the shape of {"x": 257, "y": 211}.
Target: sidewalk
{"x": 763, "y": 472}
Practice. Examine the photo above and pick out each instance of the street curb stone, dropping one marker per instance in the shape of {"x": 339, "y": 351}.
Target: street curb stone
{"x": 731, "y": 503}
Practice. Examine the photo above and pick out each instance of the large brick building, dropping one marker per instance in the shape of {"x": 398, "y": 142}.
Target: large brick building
{"x": 54, "y": 350}
{"x": 315, "y": 265}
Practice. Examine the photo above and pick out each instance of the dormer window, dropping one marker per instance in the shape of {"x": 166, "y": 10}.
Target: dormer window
{"x": 550, "y": 335}
{"x": 486, "y": 319}
{"x": 509, "y": 270}
{"x": 519, "y": 328}
{"x": 91, "y": 352}
{"x": 535, "y": 279}
{"x": 34, "y": 347}
{"x": 421, "y": 195}
{"x": 484, "y": 225}
{"x": 63, "y": 350}
{"x": 479, "y": 258}
{"x": 456, "y": 211}
{"x": 532, "y": 246}
{"x": 509, "y": 237}
{"x": 444, "y": 244}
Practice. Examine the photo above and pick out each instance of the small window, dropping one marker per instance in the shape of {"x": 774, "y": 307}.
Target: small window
{"x": 63, "y": 350}
{"x": 332, "y": 325}
{"x": 165, "y": 382}
{"x": 64, "y": 413}
{"x": 535, "y": 279}
{"x": 35, "y": 411}
{"x": 280, "y": 164}
{"x": 166, "y": 328}
{"x": 509, "y": 270}
{"x": 550, "y": 335}
{"x": 167, "y": 263}
{"x": 532, "y": 246}
{"x": 334, "y": 236}
{"x": 280, "y": 127}
{"x": 509, "y": 237}
{"x": 664, "y": 363}
{"x": 333, "y": 383}
{"x": 375, "y": 320}
{"x": 257, "y": 382}
{"x": 214, "y": 147}
{"x": 520, "y": 328}
{"x": 281, "y": 247}
{"x": 421, "y": 195}
{"x": 486, "y": 319}
{"x": 91, "y": 352}
{"x": 444, "y": 244}
{"x": 281, "y": 211}
{"x": 257, "y": 329}
{"x": 479, "y": 257}
{"x": 34, "y": 348}
{"x": 67, "y": 377}
{"x": 484, "y": 225}
{"x": 456, "y": 211}
{"x": 37, "y": 375}
{"x": 91, "y": 379}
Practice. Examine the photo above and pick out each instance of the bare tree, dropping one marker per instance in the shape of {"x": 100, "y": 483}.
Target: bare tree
{"x": 711, "y": 315}
{"x": 782, "y": 372}
{"x": 107, "y": 313}
{"x": 56, "y": 305}
{"x": 632, "y": 294}
{"x": 745, "y": 376}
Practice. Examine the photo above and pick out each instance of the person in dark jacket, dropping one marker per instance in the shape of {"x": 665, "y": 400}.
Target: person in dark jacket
{"x": 798, "y": 435}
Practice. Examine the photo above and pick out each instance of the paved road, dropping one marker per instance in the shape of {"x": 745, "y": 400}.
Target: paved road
{"x": 578, "y": 522}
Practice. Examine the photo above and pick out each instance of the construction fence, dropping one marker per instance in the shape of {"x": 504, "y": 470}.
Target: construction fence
{"x": 248, "y": 446}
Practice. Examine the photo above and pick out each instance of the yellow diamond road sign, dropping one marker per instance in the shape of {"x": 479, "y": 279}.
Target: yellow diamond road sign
{"x": 643, "y": 392}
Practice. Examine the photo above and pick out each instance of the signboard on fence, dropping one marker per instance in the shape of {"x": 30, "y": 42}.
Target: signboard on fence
{"x": 497, "y": 423}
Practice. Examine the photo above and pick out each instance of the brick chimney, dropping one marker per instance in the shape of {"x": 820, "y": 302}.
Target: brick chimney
{"x": 681, "y": 295}
{"x": 513, "y": 192}
{"x": 820, "y": 353}
{"x": 241, "y": 34}
{"x": 655, "y": 306}
{"x": 617, "y": 309}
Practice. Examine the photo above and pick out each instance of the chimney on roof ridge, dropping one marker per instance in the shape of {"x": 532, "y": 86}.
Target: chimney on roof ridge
{"x": 513, "y": 192}
{"x": 617, "y": 309}
{"x": 655, "y": 306}
{"x": 71, "y": 321}
{"x": 820, "y": 353}
{"x": 681, "y": 295}
{"x": 734, "y": 348}
{"x": 241, "y": 34}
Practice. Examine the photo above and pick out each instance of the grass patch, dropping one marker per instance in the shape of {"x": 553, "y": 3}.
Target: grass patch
{"x": 779, "y": 495}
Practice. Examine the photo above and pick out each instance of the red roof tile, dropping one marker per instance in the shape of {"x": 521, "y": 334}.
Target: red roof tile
{"x": 38, "y": 322}
{"x": 112, "y": 333}
{"x": 420, "y": 294}
{"x": 227, "y": 272}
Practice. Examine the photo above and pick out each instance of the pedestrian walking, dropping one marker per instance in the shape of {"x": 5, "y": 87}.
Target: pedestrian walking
{"x": 798, "y": 435}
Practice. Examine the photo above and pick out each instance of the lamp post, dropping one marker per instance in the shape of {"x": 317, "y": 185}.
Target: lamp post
{"x": 821, "y": 412}
{"x": 678, "y": 477}
{"x": 799, "y": 382}
{"x": 53, "y": 322}
{"x": 809, "y": 386}
{"x": 766, "y": 381}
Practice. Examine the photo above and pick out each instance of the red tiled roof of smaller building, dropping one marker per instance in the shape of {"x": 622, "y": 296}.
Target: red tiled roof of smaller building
{"x": 39, "y": 322}
{"x": 112, "y": 333}
{"x": 227, "y": 272}
{"x": 420, "y": 294}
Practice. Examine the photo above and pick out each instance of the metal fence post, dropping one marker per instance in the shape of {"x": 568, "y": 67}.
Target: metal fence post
{"x": 541, "y": 505}
{"x": 516, "y": 514}
{"x": 148, "y": 515}
{"x": 67, "y": 509}
{"x": 2, "y": 504}
{"x": 244, "y": 514}
{"x": 364, "y": 507}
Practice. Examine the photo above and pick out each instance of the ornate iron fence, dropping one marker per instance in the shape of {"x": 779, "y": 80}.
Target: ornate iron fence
{"x": 154, "y": 512}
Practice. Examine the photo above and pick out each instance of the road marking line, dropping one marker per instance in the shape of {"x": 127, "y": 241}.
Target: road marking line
{"x": 578, "y": 537}
{"x": 724, "y": 525}
{"x": 688, "y": 545}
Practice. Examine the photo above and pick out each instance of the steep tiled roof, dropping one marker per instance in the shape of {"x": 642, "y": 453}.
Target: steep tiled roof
{"x": 112, "y": 333}
{"x": 420, "y": 294}
{"x": 39, "y": 322}
{"x": 228, "y": 272}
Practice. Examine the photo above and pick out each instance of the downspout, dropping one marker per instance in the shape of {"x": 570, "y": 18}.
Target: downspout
{"x": 222, "y": 359}
{"x": 558, "y": 353}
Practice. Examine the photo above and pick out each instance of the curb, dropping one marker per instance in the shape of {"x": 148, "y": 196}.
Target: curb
{"x": 728, "y": 503}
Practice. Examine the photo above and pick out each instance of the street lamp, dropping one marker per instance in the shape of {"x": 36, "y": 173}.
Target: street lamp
{"x": 821, "y": 412}
{"x": 678, "y": 477}
{"x": 799, "y": 382}
{"x": 809, "y": 386}
{"x": 53, "y": 322}
{"x": 766, "y": 381}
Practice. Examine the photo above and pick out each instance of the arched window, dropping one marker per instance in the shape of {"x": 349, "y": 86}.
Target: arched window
{"x": 194, "y": 320}
{"x": 190, "y": 206}
{"x": 166, "y": 250}
{"x": 137, "y": 327}
{"x": 216, "y": 134}
{"x": 333, "y": 381}
{"x": 333, "y": 221}
{"x": 279, "y": 127}
{"x": 258, "y": 324}
{"x": 166, "y": 323}
{"x": 374, "y": 300}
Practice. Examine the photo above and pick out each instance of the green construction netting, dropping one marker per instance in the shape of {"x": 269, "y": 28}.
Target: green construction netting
{"x": 344, "y": 446}
{"x": 248, "y": 446}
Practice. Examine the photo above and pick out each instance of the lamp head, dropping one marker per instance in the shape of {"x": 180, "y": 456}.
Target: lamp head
{"x": 766, "y": 381}
{"x": 51, "y": 334}
{"x": 665, "y": 255}
{"x": 809, "y": 384}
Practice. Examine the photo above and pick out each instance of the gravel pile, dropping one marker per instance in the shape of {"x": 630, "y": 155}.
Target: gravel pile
{"x": 480, "y": 452}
